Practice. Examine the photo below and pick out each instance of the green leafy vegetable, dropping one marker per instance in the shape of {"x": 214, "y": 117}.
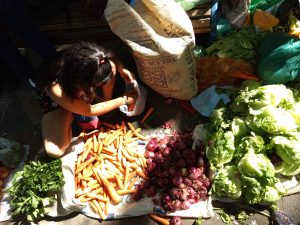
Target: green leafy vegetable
{"x": 34, "y": 188}
{"x": 261, "y": 123}
{"x": 227, "y": 183}
{"x": 221, "y": 148}
{"x": 240, "y": 44}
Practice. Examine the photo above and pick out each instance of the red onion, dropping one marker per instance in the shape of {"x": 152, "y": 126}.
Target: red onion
{"x": 149, "y": 154}
{"x": 151, "y": 146}
{"x": 185, "y": 205}
{"x": 180, "y": 163}
{"x": 176, "y": 204}
{"x": 176, "y": 220}
{"x": 180, "y": 146}
{"x": 194, "y": 173}
{"x": 177, "y": 180}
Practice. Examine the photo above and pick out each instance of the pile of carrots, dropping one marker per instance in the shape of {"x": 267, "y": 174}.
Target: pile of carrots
{"x": 109, "y": 166}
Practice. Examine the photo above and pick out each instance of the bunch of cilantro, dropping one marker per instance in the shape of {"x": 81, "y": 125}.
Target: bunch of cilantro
{"x": 35, "y": 187}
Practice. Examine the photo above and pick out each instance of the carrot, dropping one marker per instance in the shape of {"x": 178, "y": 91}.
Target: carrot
{"x": 111, "y": 138}
{"x": 100, "y": 147}
{"x": 109, "y": 125}
{"x": 98, "y": 191}
{"x": 78, "y": 160}
{"x": 124, "y": 162}
{"x": 106, "y": 156}
{"x": 159, "y": 219}
{"x": 133, "y": 165}
{"x": 83, "y": 199}
{"x": 94, "y": 208}
{"x": 119, "y": 182}
{"x": 147, "y": 114}
{"x": 132, "y": 183}
{"x": 129, "y": 140}
{"x": 128, "y": 156}
{"x": 123, "y": 125}
{"x": 141, "y": 173}
{"x": 84, "y": 165}
{"x": 95, "y": 143}
{"x": 128, "y": 134}
{"x": 126, "y": 191}
{"x": 119, "y": 150}
{"x": 142, "y": 137}
{"x": 96, "y": 176}
{"x": 87, "y": 151}
{"x": 88, "y": 135}
{"x": 112, "y": 192}
{"x": 126, "y": 174}
{"x": 109, "y": 150}
{"x": 91, "y": 183}
{"x": 98, "y": 197}
{"x": 106, "y": 208}
{"x": 131, "y": 175}
{"x": 100, "y": 211}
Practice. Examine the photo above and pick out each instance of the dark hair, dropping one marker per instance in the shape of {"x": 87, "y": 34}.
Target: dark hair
{"x": 80, "y": 66}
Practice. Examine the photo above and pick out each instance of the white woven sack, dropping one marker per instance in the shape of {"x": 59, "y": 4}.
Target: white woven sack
{"x": 161, "y": 37}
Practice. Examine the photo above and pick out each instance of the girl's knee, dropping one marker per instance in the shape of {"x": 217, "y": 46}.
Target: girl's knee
{"x": 54, "y": 150}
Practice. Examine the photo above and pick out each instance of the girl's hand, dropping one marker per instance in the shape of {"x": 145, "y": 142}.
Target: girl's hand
{"x": 127, "y": 75}
{"x": 131, "y": 99}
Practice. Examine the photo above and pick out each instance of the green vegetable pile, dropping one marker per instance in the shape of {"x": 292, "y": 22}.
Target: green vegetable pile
{"x": 240, "y": 44}
{"x": 253, "y": 141}
{"x": 35, "y": 188}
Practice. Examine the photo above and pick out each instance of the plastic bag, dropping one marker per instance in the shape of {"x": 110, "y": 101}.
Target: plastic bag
{"x": 162, "y": 39}
{"x": 190, "y": 4}
{"x": 222, "y": 71}
{"x": 10, "y": 153}
{"x": 207, "y": 101}
{"x": 140, "y": 102}
{"x": 279, "y": 58}
{"x": 262, "y": 4}
{"x": 236, "y": 12}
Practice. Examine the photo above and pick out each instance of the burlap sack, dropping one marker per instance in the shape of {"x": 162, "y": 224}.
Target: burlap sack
{"x": 161, "y": 37}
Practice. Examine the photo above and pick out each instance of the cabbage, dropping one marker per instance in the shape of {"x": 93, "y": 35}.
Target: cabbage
{"x": 10, "y": 153}
{"x": 221, "y": 148}
{"x": 239, "y": 127}
{"x": 258, "y": 192}
{"x": 272, "y": 95}
{"x": 250, "y": 143}
{"x": 260, "y": 121}
{"x": 256, "y": 165}
{"x": 287, "y": 169}
{"x": 271, "y": 194}
{"x": 275, "y": 120}
{"x": 219, "y": 118}
{"x": 226, "y": 183}
{"x": 252, "y": 189}
{"x": 288, "y": 147}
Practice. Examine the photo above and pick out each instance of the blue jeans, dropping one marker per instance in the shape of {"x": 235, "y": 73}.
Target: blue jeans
{"x": 15, "y": 17}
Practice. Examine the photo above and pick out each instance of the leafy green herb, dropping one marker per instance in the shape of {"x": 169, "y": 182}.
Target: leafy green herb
{"x": 35, "y": 187}
{"x": 198, "y": 221}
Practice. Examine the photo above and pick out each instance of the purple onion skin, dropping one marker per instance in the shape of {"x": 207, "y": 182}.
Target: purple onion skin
{"x": 176, "y": 220}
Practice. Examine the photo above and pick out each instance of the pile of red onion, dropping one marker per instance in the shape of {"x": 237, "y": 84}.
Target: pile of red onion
{"x": 176, "y": 171}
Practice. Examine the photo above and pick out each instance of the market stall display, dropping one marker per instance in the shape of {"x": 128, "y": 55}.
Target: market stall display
{"x": 247, "y": 154}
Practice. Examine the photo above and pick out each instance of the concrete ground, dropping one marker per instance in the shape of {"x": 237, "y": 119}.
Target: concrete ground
{"x": 20, "y": 119}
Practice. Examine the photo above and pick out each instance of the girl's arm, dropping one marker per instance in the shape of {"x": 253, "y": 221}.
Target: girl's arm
{"x": 83, "y": 108}
{"x": 107, "y": 89}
